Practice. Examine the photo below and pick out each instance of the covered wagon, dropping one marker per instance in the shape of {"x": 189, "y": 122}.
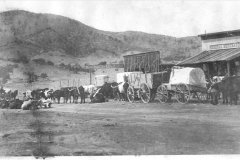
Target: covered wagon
{"x": 182, "y": 83}
{"x": 142, "y": 85}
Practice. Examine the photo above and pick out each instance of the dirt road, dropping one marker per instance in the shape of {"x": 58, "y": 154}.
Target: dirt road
{"x": 121, "y": 128}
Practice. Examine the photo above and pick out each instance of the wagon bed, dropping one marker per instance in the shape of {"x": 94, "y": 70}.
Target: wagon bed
{"x": 182, "y": 83}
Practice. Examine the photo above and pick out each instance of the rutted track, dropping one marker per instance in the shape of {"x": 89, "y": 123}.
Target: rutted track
{"x": 120, "y": 128}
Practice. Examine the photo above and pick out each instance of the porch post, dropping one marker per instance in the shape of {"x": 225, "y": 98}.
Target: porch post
{"x": 228, "y": 68}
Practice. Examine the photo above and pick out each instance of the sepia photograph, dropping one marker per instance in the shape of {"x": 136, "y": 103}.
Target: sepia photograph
{"x": 124, "y": 79}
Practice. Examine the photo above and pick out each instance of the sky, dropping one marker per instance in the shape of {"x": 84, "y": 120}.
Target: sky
{"x": 177, "y": 18}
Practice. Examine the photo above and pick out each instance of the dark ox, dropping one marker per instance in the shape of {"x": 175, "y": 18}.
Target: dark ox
{"x": 63, "y": 92}
{"x": 41, "y": 93}
{"x": 228, "y": 86}
{"x": 14, "y": 94}
{"x": 97, "y": 98}
{"x": 107, "y": 90}
{"x": 15, "y": 104}
{"x": 76, "y": 93}
{"x": 4, "y": 104}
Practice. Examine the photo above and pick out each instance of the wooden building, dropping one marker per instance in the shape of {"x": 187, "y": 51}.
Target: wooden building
{"x": 220, "y": 54}
{"x": 148, "y": 62}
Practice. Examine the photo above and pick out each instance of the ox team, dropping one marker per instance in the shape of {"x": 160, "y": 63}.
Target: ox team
{"x": 43, "y": 98}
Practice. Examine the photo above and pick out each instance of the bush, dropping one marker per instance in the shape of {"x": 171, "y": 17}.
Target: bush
{"x": 103, "y": 63}
{"x": 15, "y": 65}
{"x": 40, "y": 61}
{"x": 44, "y": 75}
{"x": 22, "y": 58}
{"x": 50, "y": 63}
{"x": 62, "y": 65}
{"x": 31, "y": 77}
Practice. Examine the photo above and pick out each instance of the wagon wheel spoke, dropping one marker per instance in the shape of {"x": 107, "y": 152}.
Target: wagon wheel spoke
{"x": 182, "y": 93}
{"x": 130, "y": 94}
{"x": 145, "y": 93}
{"x": 162, "y": 94}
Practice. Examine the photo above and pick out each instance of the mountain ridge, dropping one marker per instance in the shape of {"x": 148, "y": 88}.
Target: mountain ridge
{"x": 43, "y": 33}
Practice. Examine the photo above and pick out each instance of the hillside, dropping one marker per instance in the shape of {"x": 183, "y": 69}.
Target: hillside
{"x": 35, "y": 34}
{"x": 28, "y": 39}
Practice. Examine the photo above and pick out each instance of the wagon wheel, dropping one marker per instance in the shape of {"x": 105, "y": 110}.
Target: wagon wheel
{"x": 162, "y": 94}
{"x": 182, "y": 93}
{"x": 202, "y": 96}
{"x": 130, "y": 94}
{"x": 145, "y": 93}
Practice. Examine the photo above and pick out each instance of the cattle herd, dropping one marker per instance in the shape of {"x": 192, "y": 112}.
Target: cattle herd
{"x": 43, "y": 98}
{"x": 227, "y": 87}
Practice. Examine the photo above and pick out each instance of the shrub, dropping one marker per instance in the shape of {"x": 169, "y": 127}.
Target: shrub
{"x": 44, "y": 75}
{"x": 103, "y": 63}
{"x": 22, "y": 58}
{"x": 40, "y": 61}
{"x": 15, "y": 65}
{"x": 31, "y": 77}
{"x": 50, "y": 63}
{"x": 62, "y": 65}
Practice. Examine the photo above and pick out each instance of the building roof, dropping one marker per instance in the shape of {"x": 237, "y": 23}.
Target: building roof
{"x": 223, "y": 34}
{"x": 137, "y": 54}
{"x": 212, "y": 56}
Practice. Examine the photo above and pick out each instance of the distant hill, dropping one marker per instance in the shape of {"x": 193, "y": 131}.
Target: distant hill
{"x": 31, "y": 34}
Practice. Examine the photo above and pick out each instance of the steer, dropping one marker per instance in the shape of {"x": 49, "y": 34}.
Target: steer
{"x": 4, "y": 104}
{"x": 116, "y": 92}
{"x": 63, "y": 92}
{"x": 15, "y": 104}
{"x": 228, "y": 86}
{"x": 14, "y": 94}
{"x": 78, "y": 91}
{"x": 97, "y": 97}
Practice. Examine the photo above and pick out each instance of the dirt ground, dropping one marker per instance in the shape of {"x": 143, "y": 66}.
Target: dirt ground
{"x": 121, "y": 128}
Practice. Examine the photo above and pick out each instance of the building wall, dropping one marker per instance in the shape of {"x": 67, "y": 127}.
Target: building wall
{"x": 111, "y": 72}
{"x": 232, "y": 41}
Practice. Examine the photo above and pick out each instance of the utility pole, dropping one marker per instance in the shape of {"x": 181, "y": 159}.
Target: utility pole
{"x": 90, "y": 71}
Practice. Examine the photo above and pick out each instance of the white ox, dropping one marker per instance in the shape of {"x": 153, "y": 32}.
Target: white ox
{"x": 89, "y": 89}
{"x": 217, "y": 78}
{"x": 28, "y": 94}
{"x": 45, "y": 103}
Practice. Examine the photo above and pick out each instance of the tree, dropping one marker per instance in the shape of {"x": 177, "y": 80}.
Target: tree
{"x": 44, "y": 75}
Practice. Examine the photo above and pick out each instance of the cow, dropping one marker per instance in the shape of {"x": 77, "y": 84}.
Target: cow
{"x": 4, "y": 104}
{"x": 120, "y": 89}
{"x": 106, "y": 90}
{"x": 116, "y": 92}
{"x": 228, "y": 86}
{"x": 15, "y": 104}
{"x": 2, "y": 90}
{"x": 7, "y": 95}
{"x": 89, "y": 89}
{"x": 63, "y": 92}
{"x": 14, "y": 94}
{"x": 97, "y": 97}
{"x": 30, "y": 104}
{"x": 76, "y": 92}
{"x": 71, "y": 93}
{"x": 46, "y": 103}
{"x": 41, "y": 93}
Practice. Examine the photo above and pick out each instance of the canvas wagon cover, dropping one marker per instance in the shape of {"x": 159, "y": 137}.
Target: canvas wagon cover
{"x": 120, "y": 76}
{"x": 190, "y": 76}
